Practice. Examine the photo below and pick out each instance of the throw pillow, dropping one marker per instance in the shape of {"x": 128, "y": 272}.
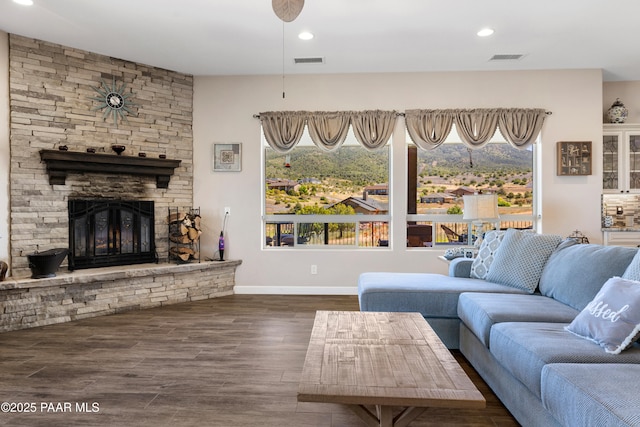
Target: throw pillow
{"x": 521, "y": 258}
{"x": 633, "y": 270}
{"x": 486, "y": 253}
{"x": 612, "y": 319}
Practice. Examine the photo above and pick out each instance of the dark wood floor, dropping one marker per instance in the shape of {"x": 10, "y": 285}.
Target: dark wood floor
{"x": 231, "y": 361}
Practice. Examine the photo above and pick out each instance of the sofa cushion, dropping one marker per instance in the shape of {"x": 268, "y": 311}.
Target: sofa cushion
{"x": 612, "y": 319}
{"x": 523, "y": 348}
{"x": 486, "y": 253}
{"x": 575, "y": 394}
{"x": 521, "y": 258}
{"x": 575, "y": 274}
{"x": 480, "y": 312}
{"x": 432, "y": 295}
{"x": 633, "y": 269}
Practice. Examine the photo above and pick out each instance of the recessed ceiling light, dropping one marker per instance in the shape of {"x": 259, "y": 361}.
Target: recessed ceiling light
{"x": 24, "y": 2}
{"x": 305, "y": 35}
{"x": 485, "y": 32}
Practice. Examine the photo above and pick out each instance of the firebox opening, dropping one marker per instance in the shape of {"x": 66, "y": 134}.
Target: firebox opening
{"x": 110, "y": 232}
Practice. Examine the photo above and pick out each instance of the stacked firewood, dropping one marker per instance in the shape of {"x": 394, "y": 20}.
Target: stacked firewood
{"x": 185, "y": 231}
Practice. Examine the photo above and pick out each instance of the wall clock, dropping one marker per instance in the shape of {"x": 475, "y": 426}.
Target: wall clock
{"x": 113, "y": 101}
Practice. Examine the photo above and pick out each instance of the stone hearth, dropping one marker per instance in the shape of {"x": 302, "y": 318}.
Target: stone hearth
{"x": 27, "y": 303}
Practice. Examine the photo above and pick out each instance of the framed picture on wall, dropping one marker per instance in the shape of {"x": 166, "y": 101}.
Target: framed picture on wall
{"x": 574, "y": 158}
{"x": 227, "y": 157}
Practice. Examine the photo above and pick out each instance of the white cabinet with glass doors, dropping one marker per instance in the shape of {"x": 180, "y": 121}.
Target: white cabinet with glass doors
{"x": 621, "y": 158}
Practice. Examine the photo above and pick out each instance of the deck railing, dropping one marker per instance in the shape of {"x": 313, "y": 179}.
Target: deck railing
{"x": 322, "y": 230}
{"x": 371, "y": 231}
{"x": 461, "y": 229}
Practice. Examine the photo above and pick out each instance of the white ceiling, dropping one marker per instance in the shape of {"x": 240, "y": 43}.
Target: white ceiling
{"x": 238, "y": 37}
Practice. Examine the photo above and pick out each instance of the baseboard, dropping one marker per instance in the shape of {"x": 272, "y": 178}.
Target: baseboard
{"x": 296, "y": 290}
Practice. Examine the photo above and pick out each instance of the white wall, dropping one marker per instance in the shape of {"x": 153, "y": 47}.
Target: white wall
{"x": 4, "y": 147}
{"x": 223, "y": 110}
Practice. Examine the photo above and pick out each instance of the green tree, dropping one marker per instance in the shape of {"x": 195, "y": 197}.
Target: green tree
{"x": 341, "y": 209}
{"x": 454, "y": 210}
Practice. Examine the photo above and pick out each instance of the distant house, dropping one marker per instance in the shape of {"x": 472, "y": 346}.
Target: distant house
{"x": 362, "y": 206}
{"x": 463, "y": 191}
{"x": 281, "y": 184}
{"x": 437, "y": 198}
{"x": 377, "y": 189}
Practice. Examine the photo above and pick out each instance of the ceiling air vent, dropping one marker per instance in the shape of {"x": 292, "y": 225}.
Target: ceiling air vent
{"x": 506, "y": 57}
{"x": 313, "y": 60}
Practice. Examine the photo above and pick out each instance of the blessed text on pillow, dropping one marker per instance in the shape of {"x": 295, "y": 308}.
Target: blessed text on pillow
{"x": 612, "y": 318}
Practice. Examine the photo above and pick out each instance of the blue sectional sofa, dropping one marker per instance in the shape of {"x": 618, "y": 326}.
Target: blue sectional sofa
{"x": 511, "y": 324}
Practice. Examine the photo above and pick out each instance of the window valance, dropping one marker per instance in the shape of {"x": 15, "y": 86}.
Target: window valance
{"x": 519, "y": 126}
{"x": 427, "y": 128}
{"x": 327, "y": 129}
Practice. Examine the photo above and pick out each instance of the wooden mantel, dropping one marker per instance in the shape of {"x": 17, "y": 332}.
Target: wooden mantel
{"x": 60, "y": 163}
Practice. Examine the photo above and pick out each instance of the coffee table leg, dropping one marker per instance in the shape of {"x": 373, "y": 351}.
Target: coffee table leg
{"x": 384, "y": 415}
{"x": 409, "y": 414}
{"x": 366, "y": 415}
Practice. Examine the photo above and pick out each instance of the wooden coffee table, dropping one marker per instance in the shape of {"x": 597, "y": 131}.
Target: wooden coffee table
{"x": 375, "y": 362}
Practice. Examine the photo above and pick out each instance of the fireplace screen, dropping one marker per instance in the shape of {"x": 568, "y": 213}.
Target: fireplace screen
{"x": 110, "y": 232}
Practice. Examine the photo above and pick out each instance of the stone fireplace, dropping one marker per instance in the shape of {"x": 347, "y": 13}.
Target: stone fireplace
{"x": 52, "y": 106}
{"x": 52, "y": 91}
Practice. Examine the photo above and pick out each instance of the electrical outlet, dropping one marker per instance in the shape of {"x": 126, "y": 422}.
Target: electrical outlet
{"x": 227, "y": 210}
{"x": 314, "y": 269}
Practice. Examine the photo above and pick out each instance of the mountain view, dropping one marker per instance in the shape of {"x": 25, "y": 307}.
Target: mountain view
{"x": 354, "y": 164}
{"x": 327, "y": 178}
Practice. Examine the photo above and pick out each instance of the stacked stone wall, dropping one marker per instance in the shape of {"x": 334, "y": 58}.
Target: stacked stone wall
{"x": 52, "y": 91}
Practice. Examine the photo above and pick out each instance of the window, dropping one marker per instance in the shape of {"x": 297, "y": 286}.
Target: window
{"x": 442, "y": 176}
{"x": 319, "y": 199}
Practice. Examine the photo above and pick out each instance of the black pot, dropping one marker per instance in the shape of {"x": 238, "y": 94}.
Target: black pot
{"x": 45, "y": 264}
